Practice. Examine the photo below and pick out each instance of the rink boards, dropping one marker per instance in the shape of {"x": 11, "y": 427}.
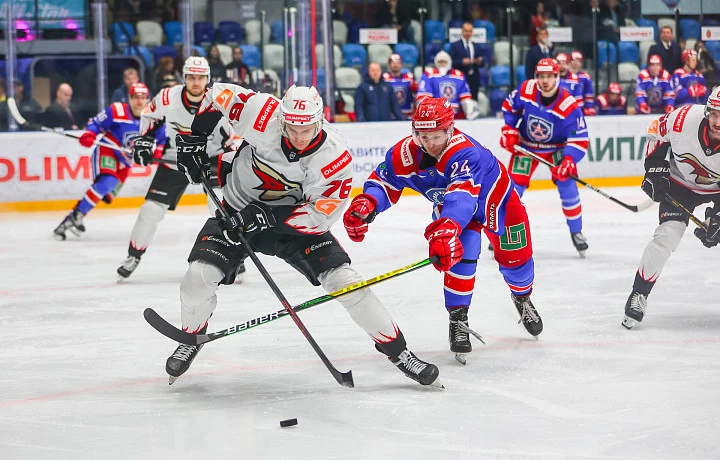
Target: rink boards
{"x": 44, "y": 171}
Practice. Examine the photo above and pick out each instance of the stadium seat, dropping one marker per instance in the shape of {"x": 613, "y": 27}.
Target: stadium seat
{"x": 379, "y": 53}
{"x": 225, "y": 53}
{"x": 349, "y": 101}
{"x": 141, "y": 52}
{"x": 644, "y": 50}
{"x": 520, "y": 74}
{"x": 629, "y": 52}
{"x": 500, "y": 75}
{"x": 340, "y": 32}
{"x": 337, "y": 55}
{"x": 689, "y": 28}
{"x": 489, "y": 29}
{"x": 251, "y": 56}
{"x": 252, "y": 31}
{"x": 173, "y": 33}
{"x": 607, "y": 53}
{"x": 417, "y": 31}
{"x": 667, "y": 22}
{"x": 231, "y": 33}
{"x": 714, "y": 48}
{"x": 354, "y": 55}
{"x": 710, "y": 22}
{"x": 642, "y": 22}
{"x": 455, "y": 24}
{"x": 690, "y": 44}
{"x": 204, "y": 34}
{"x": 431, "y": 49}
{"x": 501, "y": 50}
{"x": 200, "y": 51}
{"x": 274, "y": 55}
{"x": 320, "y": 79}
{"x": 408, "y": 53}
{"x": 434, "y": 32}
{"x": 277, "y": 32}
{"x": 347, "y": 78}
{"x": 164, "y": 50}
{"x": 150, "y": 33}
{"x": 121, "y": 34}
{"x": 484, "y": 77}
{"x": 628, "y": 72}
{"x": 483, "y": 104}
{"x": 497, "y": 96}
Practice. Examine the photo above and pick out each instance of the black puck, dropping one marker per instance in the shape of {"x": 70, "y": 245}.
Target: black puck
{"x": 288, "y": 422}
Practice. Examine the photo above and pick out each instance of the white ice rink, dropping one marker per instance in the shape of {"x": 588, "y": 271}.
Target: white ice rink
{"x": 82, "y": 375}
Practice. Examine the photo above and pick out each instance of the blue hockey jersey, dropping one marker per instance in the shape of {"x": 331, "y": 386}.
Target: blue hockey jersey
{"x": 656, "y": 92}
{"x": 403, "y": 87}
{"x": 681, "y": 81}
{"x": 451, "y": 86}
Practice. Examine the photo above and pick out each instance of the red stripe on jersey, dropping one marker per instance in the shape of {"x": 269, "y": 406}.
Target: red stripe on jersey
{"x": 497, "y": 194}
{"x": 462, "y": 286}
{"x": 680, "y": 119}
{"x": 120, "y": 111}
{"x": 392, "y": 194}
{"x": 580, "y": 144}
{"x": 264, "y": 115}
{"x": 573, "y": 212}
{"x": 467, "y": 186}
{"x": 340, "y": 162}
{"x": 166, "y": 96}
{"x": 403, "y": 157}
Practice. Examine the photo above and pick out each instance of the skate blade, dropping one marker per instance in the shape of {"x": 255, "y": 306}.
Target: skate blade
{"x": 461, "y": 358}
{"x": 437, "y": 384}
{"x": 75, "y": 231}
{"x": 582, "y": 254}
{"x": 239, "y": 279}
{"x": 171, "y": 379}
{"x": 59, "y": 236}
{"x": 628, "y": 323}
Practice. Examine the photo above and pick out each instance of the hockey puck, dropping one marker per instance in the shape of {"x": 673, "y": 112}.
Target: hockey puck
{"x": 288, "y": 422}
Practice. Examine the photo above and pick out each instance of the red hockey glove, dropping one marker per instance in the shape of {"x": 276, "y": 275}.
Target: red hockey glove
{"x": 509, "y": 138}
{"x": 444, "y": 238}
{"x": 669, "y": 108}
{"x": 87, "y": 138}
{"x": 361, "y": 212}
{"x": 644, "y": 108}
{"x": 589, "y": 111}
{"x": 564, "y": 170}
{"x": 697, "y": 90}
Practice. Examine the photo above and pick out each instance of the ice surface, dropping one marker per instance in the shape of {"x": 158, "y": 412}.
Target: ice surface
{"x": 82, "y": 374}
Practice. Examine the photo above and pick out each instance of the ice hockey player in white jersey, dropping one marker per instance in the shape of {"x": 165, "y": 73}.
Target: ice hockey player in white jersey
{"x": 284, "y": 187}
{"x": 691, "y": 135}
{"x": 174, "y": 108}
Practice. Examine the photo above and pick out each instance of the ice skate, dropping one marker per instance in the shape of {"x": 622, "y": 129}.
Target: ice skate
{"x": 239, "y": 278}
{"x": 128, "y": 266}
{"x": 458, "y": 334}
{"x": 634, "y": 309}
{"x": 72, "y": 222}
{"x": 59, "y": 232}
{"x": 417, "y": 369}
{"x": 529, "y": 317}
{"x": 580, "y": 243}
{"x": 180, "y": 361}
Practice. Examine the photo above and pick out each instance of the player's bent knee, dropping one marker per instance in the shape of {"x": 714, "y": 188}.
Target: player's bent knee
{"x": 200, "y": 282}
{"x": 152, "y": 211}
{"x": 338, "y": 278}
{"x": 668, "y": 234}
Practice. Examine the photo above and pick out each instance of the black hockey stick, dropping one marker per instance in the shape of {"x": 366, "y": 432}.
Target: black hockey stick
{"x": 178, "y": 335}
{"x": 631, "y": 207}
{"x": 680, "y": 207}
{"x": 344, "y": 379}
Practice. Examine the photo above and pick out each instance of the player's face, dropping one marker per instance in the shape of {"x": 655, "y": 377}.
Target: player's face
{"x": 613, "y": 98}
{"x": 138, "y": 103}
{"x": 714, "y": 124}
{"x": 546, "y": 81}
{"x": 196, "y": 84}
{"x": 300, "y": 136}
{"x": 692, "y": 62}
{"x": 575, "y": 65}
{"x": 395, "y": 67}
{"x": 433, "y": 142}
{"x": 563, "y": 66}
{"x": 654, "y": 69}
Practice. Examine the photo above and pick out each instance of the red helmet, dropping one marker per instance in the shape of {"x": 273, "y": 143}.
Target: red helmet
{"x": 576, "y": 55}
{"x": 654, "y": 59}
{"x": 614, "y": 88}
{"x": 433, "y": 114}
{"x": 138, "y": 89}
{"x": 561, "y": 57}
{"x": 547, "y": 65}
{"x": 687, "y": 54}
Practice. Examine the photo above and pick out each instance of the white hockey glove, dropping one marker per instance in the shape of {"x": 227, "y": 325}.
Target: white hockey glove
{"x": 470, "y": 107}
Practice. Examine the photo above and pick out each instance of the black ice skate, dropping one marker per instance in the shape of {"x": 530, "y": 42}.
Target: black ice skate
{"x": 180, "y": 361}
{"x": 580, "y": 243}
{"x": 634, "y": 309}
{"x": 417, "y": 369}
{"x": 72, "y": 222}
{"x": 239, "y": 278}
{"x": 128, "y": 266}
{"x": 458, "y": 335}
{"x": 529, "y": 317}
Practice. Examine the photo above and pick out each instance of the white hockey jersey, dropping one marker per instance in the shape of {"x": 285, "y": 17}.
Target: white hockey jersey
{"x": 172, "y": 107}
{"x": 694, "y": 163}
{"x": 308, "y": 187}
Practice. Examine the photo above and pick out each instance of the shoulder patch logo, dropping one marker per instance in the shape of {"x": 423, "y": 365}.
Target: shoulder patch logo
{"x": 223, "y": 99}
{"x": 340, "y": 162}
{"x": 263, "y": 117}
{"x": 680, "y": 118}
{"x": 405, "y": 154}
{"x": 653, "y": 127}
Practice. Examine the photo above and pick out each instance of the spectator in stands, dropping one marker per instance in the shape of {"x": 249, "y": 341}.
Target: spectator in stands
{"x": 130, "y": 77}
{"x": 653, "y": 91}
{"x": 706, "y": 64}
{"x": 28, "y": 107}
{"x": 374, "y": 98}
{"x": 588, "y": 92}
{"x": 689, "y": 84}
{"x": 217, "y": 68}
{"x": 237, "y": 71}
{"x": 611, "y": 17}
{"x": 166, "y": 66}
{"x": 60, "y": 114}
{"x": 467, "y": 57}
{"x": 544, "y": 49}
{"x": 446, "y": 82}
{"x": 170, "y": 80}
{"x": 396, "y": 14}
{"x": 403, "y": 84}
{"x": 536, "y": 23}
{"x": 668, "y": 50}
{"x": 612, "y": 102}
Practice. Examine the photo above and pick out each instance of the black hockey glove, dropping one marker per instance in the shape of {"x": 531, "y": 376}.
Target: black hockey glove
{"x": 711, "y": 236}
{"x": 191, "y": 156}
{"x": 657, "y": 180}
{"x": 142, "y": 150}
{"x": 253, "y": 219}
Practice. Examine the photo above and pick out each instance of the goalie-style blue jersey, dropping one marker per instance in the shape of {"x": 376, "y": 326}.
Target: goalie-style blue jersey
{"x": 656, "y": 92}
{"x": 451, "y": 86}
{"x": 681, "y": 81}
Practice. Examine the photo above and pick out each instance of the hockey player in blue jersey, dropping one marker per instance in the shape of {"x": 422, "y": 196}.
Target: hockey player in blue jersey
{"x": 448, "y": 83}
{"x": 576, "y": 62}
{"x": 546, "y": 120}
{"x": 569, "y": 80}
{"x": 689, "y": 84}
{"x": 653, "y": 90}
{"x": 118, "y": 124}
{"x": 471, "y": 191}
{"x": 403, "y": 84}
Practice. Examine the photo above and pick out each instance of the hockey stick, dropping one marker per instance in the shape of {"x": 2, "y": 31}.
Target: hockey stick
{"x": 633, "y": 208}
{"x": 178, "y": 335}
{"x": 680, "y": 207}
{"x": 343, "y": 378}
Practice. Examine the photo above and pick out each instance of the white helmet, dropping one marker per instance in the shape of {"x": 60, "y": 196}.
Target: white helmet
{"x": 713, "y": 102}
{"x": 301, "y": 105}
{"x": 196, "y": 65}
{"x": 442, "y": 56}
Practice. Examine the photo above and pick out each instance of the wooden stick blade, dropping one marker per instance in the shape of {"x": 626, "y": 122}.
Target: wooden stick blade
{"x": 13, "y": 108}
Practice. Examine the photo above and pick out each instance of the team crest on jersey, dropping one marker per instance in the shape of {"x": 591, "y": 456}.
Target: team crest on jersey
{"x": 274, "y": 185}
{"x": 436, "y": 195}
{"x": 180, "y": 128}
{"x": 703, "y": 176}
{"x": 654, "y": 96}
{"x": 400, "y": 95}
{"x": 538, "y": 129}
{"x": 448, "y": 90}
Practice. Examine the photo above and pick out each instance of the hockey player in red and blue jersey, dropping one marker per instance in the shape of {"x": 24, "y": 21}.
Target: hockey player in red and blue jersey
{"x": 119, "y": 124}
{"x": 689, "y": 84}
{"x": 403, "y": 84}
{"x": 450, "y": 84}
{"x": 576, "y": 62}
{"x": 569, "y": 81}
{"x": 546, "y": 120}
{"x": 612, "y": 102}
{"x": 653, "y": 91}
{"x": 471, "y": 191}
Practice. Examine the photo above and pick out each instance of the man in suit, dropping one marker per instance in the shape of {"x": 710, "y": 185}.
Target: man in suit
{"x": 543, "y": 49}
{"x": 668, "y": 50}
{"x": 467, "y": 58}
{"x": 59, "y": 114}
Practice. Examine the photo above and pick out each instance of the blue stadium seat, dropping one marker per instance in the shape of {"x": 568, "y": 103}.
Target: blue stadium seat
{"x": 408, "y": 53}
{"x": 200, "y": 51}
{"x": 689, "y": 28}
{"x": 320, "y": 79}
{"x": 173, "y": 33}
{"x": 642, "y": 22}
{"x": 497, "y": 97}
{"x": 714, "y": 49}
{"x": 354, "y": 55}
{"x": 484, "y": 77}
{"x": 629, "y": 52}
{"x": 142, "y": 52}
{"x": 122, "y": 33}
{"x": 500, "y": 75}
{"x": 446, "y": 47}
{"x": 520, "y": 74}
{"x": 607, "y": 53}
{"x": 251, "y": 56}
{"x": 204, "y": 33}
{"x": 431, "y": 49}
{"x": 710, "y": 22}
{"x": 277, "y": 32}
{"x": 164, "y": 50}
{"x": 434, "y": 31}
{"x": 455, "y": 23}
{"x": 489, "y": 29}
{"x": 487, "y": 53}
{"x": 231, "y": 33}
